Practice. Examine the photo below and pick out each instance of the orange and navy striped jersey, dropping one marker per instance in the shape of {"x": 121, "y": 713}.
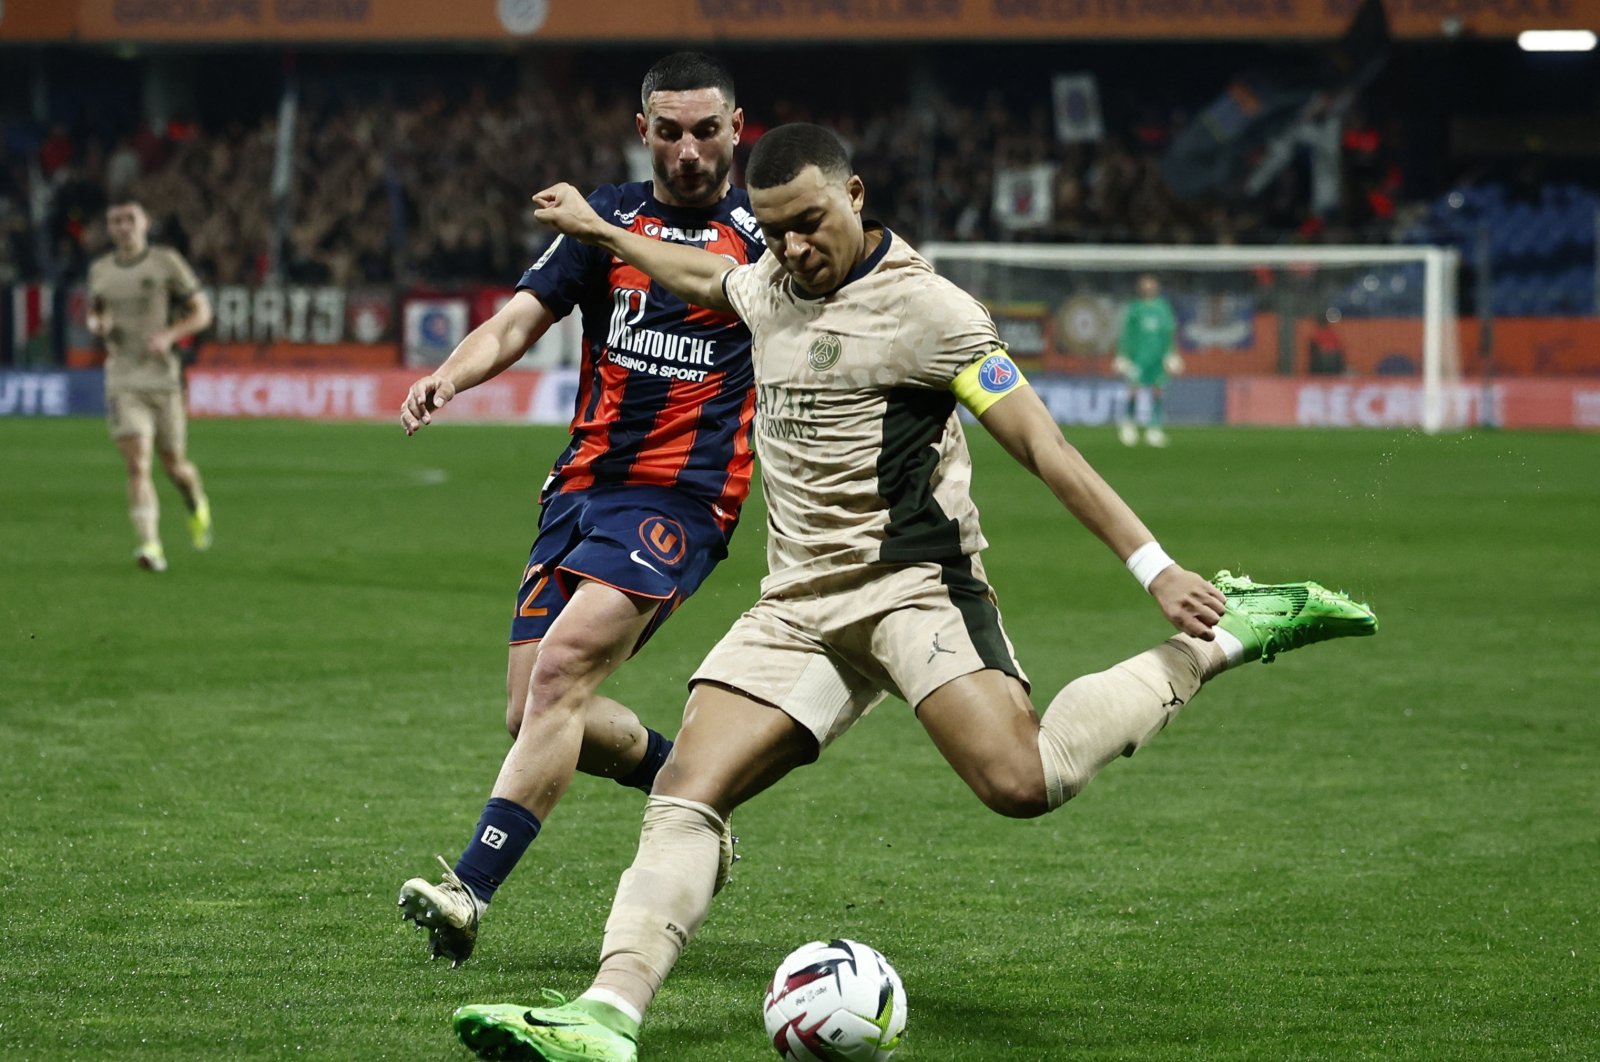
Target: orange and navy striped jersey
{"x": 665, "y": 392}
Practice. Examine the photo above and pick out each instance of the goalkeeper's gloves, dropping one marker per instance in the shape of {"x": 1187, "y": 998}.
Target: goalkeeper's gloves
{"x": 1173, "y": 364}
{"x": 1123, "y": 367}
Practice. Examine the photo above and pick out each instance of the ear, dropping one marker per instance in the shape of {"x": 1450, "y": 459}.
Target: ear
{"x": 738, "y": 123}
{"x": 856, "y": 189}
{"x": 643, "y": 127}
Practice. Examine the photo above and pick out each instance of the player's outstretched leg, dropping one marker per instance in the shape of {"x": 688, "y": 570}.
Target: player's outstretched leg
{"x": 584, "y": 1030}
{"x": 448, "y": 911}
{"x": 1273, "y": 618}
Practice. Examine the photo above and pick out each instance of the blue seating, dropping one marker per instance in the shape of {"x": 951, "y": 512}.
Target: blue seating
{"x": 1541, "y": 254}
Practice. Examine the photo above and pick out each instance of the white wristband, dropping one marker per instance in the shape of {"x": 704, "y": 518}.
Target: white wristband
{"x": 1147, "y": 562}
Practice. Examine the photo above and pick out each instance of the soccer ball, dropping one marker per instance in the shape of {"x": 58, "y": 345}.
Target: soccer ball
{"x": 838, "y": 1002}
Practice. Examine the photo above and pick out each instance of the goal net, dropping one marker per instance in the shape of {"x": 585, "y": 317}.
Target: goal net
{"x": 1261, "y": 316}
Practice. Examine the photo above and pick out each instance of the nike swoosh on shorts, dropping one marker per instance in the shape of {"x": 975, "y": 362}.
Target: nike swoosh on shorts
{"x": 634, "y": 556}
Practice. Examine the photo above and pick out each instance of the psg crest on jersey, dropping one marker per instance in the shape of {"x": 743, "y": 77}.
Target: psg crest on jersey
{"x": 824, "y": 352}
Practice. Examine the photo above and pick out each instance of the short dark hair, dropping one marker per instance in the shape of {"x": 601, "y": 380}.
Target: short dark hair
{"x": 782, "y": 153}
{"x": 683, "y": 72}
{"x": 124, "y": 199}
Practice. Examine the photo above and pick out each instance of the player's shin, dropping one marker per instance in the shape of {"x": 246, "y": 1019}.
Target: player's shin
{"x": 661, "y": 901}
{"x": 146, "y": 519}
{"x": 1099, "y": 717}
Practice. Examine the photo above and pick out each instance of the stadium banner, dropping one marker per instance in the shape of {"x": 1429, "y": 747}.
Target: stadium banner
{"x": 52, "y": 394}
{"x": 1398, "y": 403}
{"x": 24, "y": 21}
{"x": 300, "y": 314}
{"x": 1077, "y": 108}
{"x": 1100, "y": 402}
{"x": 1522, "y": 346}
{"x": 327, "y": 394}
{"x": 299, "y": 355}
{"x": 710, "y": 21}
{"x": 1215, "y": 322}
{"x": 1024, "y": 328}
{"x": 433, "y": 327}
{"x": 1229, "y": 336}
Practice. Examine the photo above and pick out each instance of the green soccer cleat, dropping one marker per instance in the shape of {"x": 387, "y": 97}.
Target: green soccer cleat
{"x": 448, "y": 911}
{"x": 566, "y": 1032}
{"x": 1272, "y": 618}
{"x": 151, "y": 557}
{"x": 200, "y": 526}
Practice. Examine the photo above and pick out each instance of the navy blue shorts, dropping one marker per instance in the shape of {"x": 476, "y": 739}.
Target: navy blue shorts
{"x": 648, "y": 542}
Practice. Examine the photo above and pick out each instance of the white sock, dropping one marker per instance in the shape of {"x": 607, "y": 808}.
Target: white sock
{"x": 614, "y": 1001}
{"x": 1230, "y": 645}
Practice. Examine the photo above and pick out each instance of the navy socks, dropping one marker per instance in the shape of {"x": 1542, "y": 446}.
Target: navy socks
{"x": 504, "y": 832}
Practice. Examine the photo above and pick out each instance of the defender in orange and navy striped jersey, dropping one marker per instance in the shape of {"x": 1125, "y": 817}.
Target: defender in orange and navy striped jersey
{"x": 639, "y": 507}
{"x": 664, "y": 395}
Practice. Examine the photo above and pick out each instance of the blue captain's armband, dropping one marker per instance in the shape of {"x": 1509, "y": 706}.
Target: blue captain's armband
{"x": 986, "y": 381}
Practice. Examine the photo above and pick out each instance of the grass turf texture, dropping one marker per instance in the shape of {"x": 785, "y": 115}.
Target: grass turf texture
{"x": 216, "y": 779}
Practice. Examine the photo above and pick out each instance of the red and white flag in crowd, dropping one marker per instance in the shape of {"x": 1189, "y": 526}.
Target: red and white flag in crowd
{"x": 30, "y": 315}
{"x": 1024, "y": 196}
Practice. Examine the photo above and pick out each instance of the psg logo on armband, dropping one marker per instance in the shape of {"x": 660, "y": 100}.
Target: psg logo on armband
{"x": 997, "y": 374}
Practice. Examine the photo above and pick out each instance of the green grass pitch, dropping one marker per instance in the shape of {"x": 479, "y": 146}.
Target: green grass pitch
{"x": 215, "y": 780}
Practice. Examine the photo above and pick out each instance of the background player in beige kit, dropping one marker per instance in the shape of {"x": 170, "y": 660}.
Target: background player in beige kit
{"x": 862, "y": 354}
{"x": 133, "y": 290}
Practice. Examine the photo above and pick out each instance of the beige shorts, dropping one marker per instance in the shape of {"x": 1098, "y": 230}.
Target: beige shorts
{"x": 158, "y": 415}
{"x": 827, "y": 653}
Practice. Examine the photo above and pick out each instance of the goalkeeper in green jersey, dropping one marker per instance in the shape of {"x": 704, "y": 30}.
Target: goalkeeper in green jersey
{"x": 1146, "y": 356}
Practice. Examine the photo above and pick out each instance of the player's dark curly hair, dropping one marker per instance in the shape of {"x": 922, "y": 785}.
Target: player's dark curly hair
{"x": 782, "y": 153}
{"x": 684, "y": 72}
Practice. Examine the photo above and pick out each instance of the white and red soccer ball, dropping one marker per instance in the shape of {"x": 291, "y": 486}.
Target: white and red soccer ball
{"x": 835, "y": 1002}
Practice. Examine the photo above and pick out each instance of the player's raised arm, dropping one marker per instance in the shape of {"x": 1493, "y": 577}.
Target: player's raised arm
{"x": 695, "y": 276}
{"x": 1024, "y": 426}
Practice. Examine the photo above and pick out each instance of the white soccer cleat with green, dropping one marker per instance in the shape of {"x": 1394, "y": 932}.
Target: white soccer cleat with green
{"x": 1273, "y": 618}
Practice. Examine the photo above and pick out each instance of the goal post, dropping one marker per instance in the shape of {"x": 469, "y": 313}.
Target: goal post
{"x": 1387, "y": 311}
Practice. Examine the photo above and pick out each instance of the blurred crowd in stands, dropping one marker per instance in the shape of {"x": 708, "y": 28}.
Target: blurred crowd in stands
{"x": 430, "y": 184}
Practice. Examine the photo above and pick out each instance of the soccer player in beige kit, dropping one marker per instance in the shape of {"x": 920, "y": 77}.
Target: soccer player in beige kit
{"x": 133, "y": 291}
{"x": 862, "y": 354}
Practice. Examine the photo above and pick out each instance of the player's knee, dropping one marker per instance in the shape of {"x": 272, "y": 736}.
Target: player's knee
{"x": 560, "y": 677}
{"x": 1015, "y": 794}
{"x": 517, "y": 699}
